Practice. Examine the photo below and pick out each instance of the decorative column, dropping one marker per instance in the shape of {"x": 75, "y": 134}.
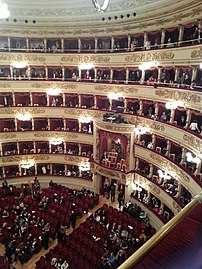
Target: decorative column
{"x": 79, "y": 77}
{"x": 51, "y": 169}
{"x": 159, "y": 73}
{"x": 18, "y": 148}
{"x": 131, "y": 141}
{"x": 184, "y": 151}
{"x": 62, "y": 44}
{"x": 168, "y": 148}
{"x": 9, "y": 43}
{"x": 95, "y": 101}
{"x": 11, "y": 71}
{"x": 65, "y": 148}
{"x": 49, "y": 146}
{"x": 79, "y": 127}
{"x": 48, "y": 124}
{"x": 112, "y": 44}
{"x": 161, "y": 208}
{"x": 34, "y": 144}
{"x": 64, "y": 124}
{"x": 79, "y": 149}
{"x": 63, "y": 99}
{"x": 79, "y": 44}
{"x": 172, "y": 115}
{"x": 20, "y": 170}
{"x": 1, "y": 152}
{"x": 27, "y": 44}
{"x": 3, "y": 172}
{"x": 141, "y": 107}
{"x": 145, "y": 38}
{"x": 32, "y": 124}
{"x": 95, "y": 71}
{"x": 13, "y": 97}
{"x": 154, "y": 140}
{"x": 96, "y": 43}
{"x": 198, "y": 168}
{"x": 188, "y": 118}
{"x": 63, "y": 73}
{"x": 129, "y": 42}
{"x": 29, "y": 72}
{"x": 163, "y": 34}
{"x": 45, "y": 44}
{"x": 125, "y": 104}
{"x": 194, "y": 73}
{"x": 35, "y": 169}
{"x": 143, "y": 77}
{"x": 111, "y": 75}
{"x": 46, "y": 72}
{"x": 176, "y": 73}
{"x": 181, "y": 32}
{"x": 151, "y": 170}
{"x": 79, "y": 97}
{"x": 16, "y": 125}
{"x": 137, "y": 161}
{"x": 110, "y": 104}
{"x": 31, "y": 98}
{"x": 65, "y": 169}
{"x": 127, "y": 75}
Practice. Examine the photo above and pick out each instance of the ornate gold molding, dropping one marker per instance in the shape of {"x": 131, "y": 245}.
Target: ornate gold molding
{"x": 21, "y": 57}
{"x": 116, "y": 89}
{"x": 7, "y": 136}
{"x": 169, "y": 166}
{"x": 85, "y": 59}
{"x": 147, "y": 184}
{"x": 113, "y": 127}
{"x": 81, "y": 112}
{"x": 34, "y": 110}
{"x": 176, "y": 206}
{"x": 150, "y": 56}
{"x": 61, "y": 85}
{"x": 63, "y": 135}
{"x": 196, "y": 53}
{"x": 11, "y": 159}
{"x": 178, "y": 95}
{"x": 5, "y": 85}
{"x": 75, "y": 159}
{"x": 193, "y": 141}
{"x": 151, "y": 124}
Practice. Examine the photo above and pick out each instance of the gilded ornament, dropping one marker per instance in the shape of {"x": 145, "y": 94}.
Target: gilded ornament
{"x": 7, "y": 136}
{"x": 194, "y": 142}
{"x": 177, "y": 95}
{"x": 5, "y": 85}
{"x": 116, "y": 89}
{"x": 21, "y": 57}
{"x": 86, "y": 59}
{"x": 196, "y": 53}
{"x": 64, "y": 86}
{"x": 150, "y": 56}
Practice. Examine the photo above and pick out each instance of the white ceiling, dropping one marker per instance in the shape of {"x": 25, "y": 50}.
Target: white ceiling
{"x": 79, "y": 10}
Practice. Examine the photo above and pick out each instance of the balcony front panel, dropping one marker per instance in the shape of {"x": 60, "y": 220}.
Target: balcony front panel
{"x": 47, "y": 158}
{"x": 172, "y": 56}
{"x": 166, "y": 165}
{"x": 46, "y": 135}
{"x": 190, "y": 98}
{"x": 158, "y": 192}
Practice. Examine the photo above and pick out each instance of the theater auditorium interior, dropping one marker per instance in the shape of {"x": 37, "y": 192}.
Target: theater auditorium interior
{"x": 101, "y": 134}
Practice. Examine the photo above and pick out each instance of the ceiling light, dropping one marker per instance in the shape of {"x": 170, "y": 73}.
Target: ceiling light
{"x": 4, "y": 12}
{"x": 85, "y": 119}
{"x": 27, "y": 164}
{"x": 192, "y": 159}
{"x": 174, "y": 105}
{"x": 84, "y": 167}
{"x": 86, "y": 66}
{"x": 147, "y": 65}
{"x": 24, "y": 116}
{"x": 56, "y": 141}
{"x": 20, "y": 64}
{"x": 200, "y": 65}
{"x": 100, "y": 8}
{"x": 115, "y": 96}
{"x": 136, "y": 187}
{"x": 54, "y": 91}
{"x": 142, "y": 130}
{"x": 163, "y": 175}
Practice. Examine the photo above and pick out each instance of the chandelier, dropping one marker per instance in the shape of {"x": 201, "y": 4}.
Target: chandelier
{"x": 136, "y": 187}
{"x": 54, "y": 91}
{"x": 115, "y": 95}
{"x": 174, "y": 105}
{"x": 142, "y": 130}
{"x": 20, "y": 64}
{"x": 4, "y": 12}
{"x": 26, "y": 164}
{"x": 86, "y": 66}
{"x": 164, "y": 175}
{"x": 56, "y": 141}
{"x": 146, "y": 66}
{"x": 100, "y": 8}
{"x": 84, "y": 167}
{"x": 192, "y": 159}
{"x": 85, "y": 119}
{"x": 24, "y": 116}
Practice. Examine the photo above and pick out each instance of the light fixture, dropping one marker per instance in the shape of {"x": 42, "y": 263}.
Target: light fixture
{"x": 85, "y": 119}
{"x": 142, "y": 130}
{"x": 115, "y": 95}
{"x": 26, "y": 164}
{"x": 100, "y": 8}
{"x": 163, "y": 175}
{"x": 86, "y": 66}
{"x": 136, "y": 187}
{"x": 20, "y": 64}
{"x": 24, "y": 116}
{"x": 84, "y": 167}
{"x": 56, "y": 141}
{"x": 200, "y": 65}
{"x": 174, "y": 105}
{"x": 4, "y": 11}
{"x": 147, "y": 65}
{"x": 54, "y": 91}
{"x": 192, "y": 159}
